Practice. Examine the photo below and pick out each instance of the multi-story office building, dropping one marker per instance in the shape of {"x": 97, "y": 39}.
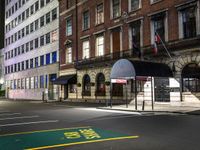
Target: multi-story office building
{"x": 94, "y": 34}
{"x": 31, "y": 48}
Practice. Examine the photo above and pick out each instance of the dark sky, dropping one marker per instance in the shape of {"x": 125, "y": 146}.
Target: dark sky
{"x": 2, "y": 4}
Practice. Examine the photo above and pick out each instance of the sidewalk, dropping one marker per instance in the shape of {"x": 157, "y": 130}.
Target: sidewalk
{"x": 165, "y": 108}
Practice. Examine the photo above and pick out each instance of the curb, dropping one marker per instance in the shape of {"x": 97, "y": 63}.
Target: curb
{"x": 146, "y": 111}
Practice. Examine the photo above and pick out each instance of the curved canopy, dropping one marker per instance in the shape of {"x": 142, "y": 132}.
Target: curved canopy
{"x": 127, "y": 69}
{"x": 191, "y": 71}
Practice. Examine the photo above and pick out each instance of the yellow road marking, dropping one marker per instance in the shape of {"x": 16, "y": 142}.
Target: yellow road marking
{"x": 41, "y": 131}
{"x": 85, "y": 142}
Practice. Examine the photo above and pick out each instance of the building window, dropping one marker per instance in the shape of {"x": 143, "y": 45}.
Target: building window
{"x": 42, "y": 60}
{"x": 47, "y": 17}
{"x": 27, "y": 30}
{"x": 54, "y": 14}
{"x": 31, "y": 63}
{"x": 31, "y": 45}
{"x": 23, "y": 83}
{"x": 27, "y": 83}
{"x": 27, "y": 13}
{"x": 22, "y": 49}
{"x": 32, "y": 82}
{"x": 15, "y": 53}
{"x": 23, "y": 16}
{"x": 159, "y": 26}
{"x": 86, "y": 20}
{"x": 47, "y": 59}
{"x": 23, "y": 34}
{"x": 42, "y": 81}
{"x": 36, "y": 43}
{"x": 100, "y": 45}
{"x": 32, "y": 9}
{"x": 100, "y": 14}
{"x": 69, "y": 55}
{"x": 42, "y": 21}
{"x": 36, "y": 24}
{"x": 27, "y": 64}
{"x": 69, "y": 26}
{"x": 19, "y": 50}
{"x": 36, "y": 6}
{"x": 46, "y": 81}
{"x": 36, "y": 62}
{"x": 134, "y": 5}
{"x": 54, "y": 57}
{"x": 36, "y": 82}
{"x": 31, "y": 27}
{"x": 27, "y": 47}
{"x": 22, "y": 65}
{"x": 19, "y": 35}
{"x": 86, "y": 49}
{"x": 100, "y": 84}
{"x": 115, "y": 8}
{"x": 41, "y": 3}
{"x": 86, "y": 86}
{"x": 19, "y": 19}
{"x": 135, "y": 34}
{"x": 18, "y": 83}
{"x": 189, "y": 22}
{"x": 47, "y": 1}
{"x": 42, "y": 40}
{"x": 48, "y": 38}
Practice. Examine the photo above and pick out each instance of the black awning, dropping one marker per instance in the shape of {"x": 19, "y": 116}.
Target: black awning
{"x": 126, "y": 69}
{"x": 68, "y": 79}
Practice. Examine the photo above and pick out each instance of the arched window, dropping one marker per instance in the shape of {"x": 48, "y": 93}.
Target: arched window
{"x": 191, "y": 78}
{"x": 100, "y": 84}
{"x": 86, "y": 85}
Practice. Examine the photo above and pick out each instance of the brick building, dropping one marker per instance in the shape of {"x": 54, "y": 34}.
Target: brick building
{"x": 94, "y": 34}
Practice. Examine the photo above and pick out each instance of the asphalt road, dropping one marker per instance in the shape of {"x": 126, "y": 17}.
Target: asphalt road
{"x": 41, "y": 124}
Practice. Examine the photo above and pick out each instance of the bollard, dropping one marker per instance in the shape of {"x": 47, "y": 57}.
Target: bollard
{"x": 143, "y": 104}
{"x": 43, "y": 96}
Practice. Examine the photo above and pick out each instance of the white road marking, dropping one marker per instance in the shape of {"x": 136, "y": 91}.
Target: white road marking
{"x": 11, "y": 114}
{"x": 111, "y": 111}
{"x": 22, "y": 117}
{"x": 28, "y": 123}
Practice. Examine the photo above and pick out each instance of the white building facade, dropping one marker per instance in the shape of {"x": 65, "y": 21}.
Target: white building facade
{"x": 31, "y": 48}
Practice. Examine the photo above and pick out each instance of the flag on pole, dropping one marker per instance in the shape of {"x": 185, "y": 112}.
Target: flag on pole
{"x": 157, "y": 40}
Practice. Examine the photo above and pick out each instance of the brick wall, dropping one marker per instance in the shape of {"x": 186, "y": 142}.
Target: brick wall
{"x": 145, "y": 12}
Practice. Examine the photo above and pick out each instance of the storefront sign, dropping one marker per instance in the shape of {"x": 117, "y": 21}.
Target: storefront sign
{"x": 119, "y": 81}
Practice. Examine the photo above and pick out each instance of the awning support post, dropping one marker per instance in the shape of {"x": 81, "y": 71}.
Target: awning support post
{"x": 181, "y": 89}
{"x": 126, "y": 95}
{"x": 111, "y": 94}
{"x": 135, "y": 93}
{"x": 152, "y": 103}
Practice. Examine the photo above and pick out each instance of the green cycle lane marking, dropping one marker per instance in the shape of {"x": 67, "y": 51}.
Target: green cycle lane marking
{"x": 38, "y": 140}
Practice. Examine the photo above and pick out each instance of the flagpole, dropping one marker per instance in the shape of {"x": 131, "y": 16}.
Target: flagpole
{"x": 164, "y": 46}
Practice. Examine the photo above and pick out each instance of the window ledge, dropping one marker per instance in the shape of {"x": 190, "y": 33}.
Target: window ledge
{"x": 134, "y": 10}
{"x": 152, "y": 3}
